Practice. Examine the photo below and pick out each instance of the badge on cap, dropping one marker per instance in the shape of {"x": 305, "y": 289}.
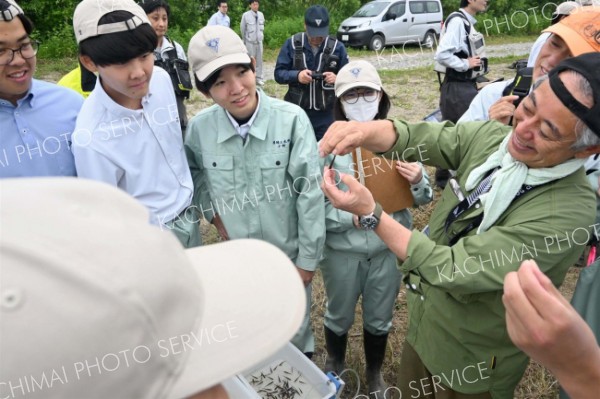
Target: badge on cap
{"x": 213, "y": 44}
{"x": 318, "y": 22}
{"x": 355, "y": 72}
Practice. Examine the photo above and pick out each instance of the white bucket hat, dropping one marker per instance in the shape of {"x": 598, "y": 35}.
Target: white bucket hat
{"x": 97, "y": 303}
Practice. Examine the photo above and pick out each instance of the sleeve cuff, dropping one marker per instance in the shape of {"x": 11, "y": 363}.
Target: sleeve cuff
{"x": 419, "y": 249}
{"x": 308, "y": 264}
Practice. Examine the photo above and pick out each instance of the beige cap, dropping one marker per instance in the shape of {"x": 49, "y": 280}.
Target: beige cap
{"x": 11, "y": 12}
{"x": 214, "y": 47}
{"x": 579, "y": 30}
{"x": 98, "y": 303}
{"x": 89, "y": 12}
{"x": 357, "y": 74}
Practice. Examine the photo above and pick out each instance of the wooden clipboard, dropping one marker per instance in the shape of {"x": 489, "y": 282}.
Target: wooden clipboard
{"x": 380, "y": 176}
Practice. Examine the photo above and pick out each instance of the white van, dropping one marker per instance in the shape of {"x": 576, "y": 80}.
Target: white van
{"x": 387, "y": 22}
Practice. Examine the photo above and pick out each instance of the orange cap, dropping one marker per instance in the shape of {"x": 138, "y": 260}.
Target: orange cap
{"x": 580, "y": 30}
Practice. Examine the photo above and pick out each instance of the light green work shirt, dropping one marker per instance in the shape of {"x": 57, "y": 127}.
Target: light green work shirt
{"x": 456, "y": 316}
{"x": 266, "y": 186}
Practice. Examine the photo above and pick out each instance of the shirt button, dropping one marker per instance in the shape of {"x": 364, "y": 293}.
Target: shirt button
{"x": 422, "y": 298}
{"x": 277, "y": 163}
{"x": 414, "y": 287}
{"x": 477, "y": 206}
{"x": 214, "y": 164}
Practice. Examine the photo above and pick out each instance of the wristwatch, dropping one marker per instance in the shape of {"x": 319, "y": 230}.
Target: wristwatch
{"x": 369, "y": 222}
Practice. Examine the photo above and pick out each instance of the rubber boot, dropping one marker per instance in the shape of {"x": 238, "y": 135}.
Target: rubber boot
{"x": 374, "y": 355}
{"x": 336, "y": 351}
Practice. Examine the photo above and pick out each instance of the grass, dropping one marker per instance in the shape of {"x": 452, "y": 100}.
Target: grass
{"x": 414, "y": 93}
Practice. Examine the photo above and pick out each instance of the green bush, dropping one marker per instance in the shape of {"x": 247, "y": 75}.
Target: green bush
{"x": 53, "y": 19}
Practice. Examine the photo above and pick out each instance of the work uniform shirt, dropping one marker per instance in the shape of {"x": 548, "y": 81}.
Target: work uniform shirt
{"x": 265, "y": 186}
{"x": 454, "y": 293}
{"x": 219, "y": 18}
{"x": 252, "y": 26}
{"x": 140, "y": 151}
{"x": 453, "y": 41}
{"x": 36, "y": 134}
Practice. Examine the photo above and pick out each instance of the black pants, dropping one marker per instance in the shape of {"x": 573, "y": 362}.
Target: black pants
{"x": 455, "y": 98}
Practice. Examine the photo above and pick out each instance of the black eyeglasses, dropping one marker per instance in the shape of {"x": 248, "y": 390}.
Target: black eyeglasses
{"x": 352, "y": 96}
{"x": 27, "y": 50}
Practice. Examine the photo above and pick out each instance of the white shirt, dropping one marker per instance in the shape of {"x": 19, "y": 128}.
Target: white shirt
{"x": 140, "y": 151}
{"x": 480, "y": 106}
{"x": 453, "y": 41}
{"x": 166, "y": 46}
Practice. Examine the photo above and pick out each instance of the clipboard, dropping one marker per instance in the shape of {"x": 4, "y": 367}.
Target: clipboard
{"x": 380, "y": 176}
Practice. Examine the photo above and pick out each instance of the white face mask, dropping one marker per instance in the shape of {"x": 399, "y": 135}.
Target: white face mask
{"x": 361, "y": 111}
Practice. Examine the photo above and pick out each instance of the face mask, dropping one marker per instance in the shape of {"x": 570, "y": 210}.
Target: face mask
{"x": 361, "y": 111}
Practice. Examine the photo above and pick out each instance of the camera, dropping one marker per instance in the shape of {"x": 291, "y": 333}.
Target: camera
{"x": 178, "y": 70}
{"x": 316, "y": 75}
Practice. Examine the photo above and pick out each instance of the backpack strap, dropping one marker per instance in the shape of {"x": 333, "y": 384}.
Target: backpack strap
{"x": 298, "y": 46}
{"x": 172, "y": 53}
{"x": 520, "y": 86}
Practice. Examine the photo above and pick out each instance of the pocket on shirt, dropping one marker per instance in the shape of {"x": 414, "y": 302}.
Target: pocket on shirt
{"x": 273, "y": 169}
{"x": 220, "y": 175}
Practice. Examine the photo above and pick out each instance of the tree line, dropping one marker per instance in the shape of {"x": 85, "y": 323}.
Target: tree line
{"x": 53, "y": 18}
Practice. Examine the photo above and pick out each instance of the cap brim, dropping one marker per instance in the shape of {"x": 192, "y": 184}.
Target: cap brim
{"x": 344, "y": 88}
{"x": 204, "y": 73}
{"x": 254, "y": 299}
{"x": 577, "y": 44}
{"x": 317, "y": 32}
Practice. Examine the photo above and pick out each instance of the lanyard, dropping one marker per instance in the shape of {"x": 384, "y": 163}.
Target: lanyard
{"x": 469, "y": 202}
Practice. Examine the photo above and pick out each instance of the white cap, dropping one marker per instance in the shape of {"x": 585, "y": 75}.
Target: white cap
{"x": 97, "y": 303}
{"x": 565, "y": 8}
{"x": 214, "y": 47}
{"x": 357, "y": 74}
{"x": 89, "y": 12}
{"x": 11, "y": 12}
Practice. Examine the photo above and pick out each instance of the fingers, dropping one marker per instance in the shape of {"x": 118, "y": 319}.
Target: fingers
{"x": 340, "y": 139}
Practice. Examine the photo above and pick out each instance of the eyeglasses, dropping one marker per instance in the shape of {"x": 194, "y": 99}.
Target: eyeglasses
{"x": 352, "y": 96}
{"x": 27, "y": 51}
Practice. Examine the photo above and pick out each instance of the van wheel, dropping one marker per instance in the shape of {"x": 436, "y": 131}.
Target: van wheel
{"x": 377, "y": 42}
{"x": 429, "y": 40}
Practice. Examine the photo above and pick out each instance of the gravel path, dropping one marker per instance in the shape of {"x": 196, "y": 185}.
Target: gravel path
{"x": 396, "y": 58}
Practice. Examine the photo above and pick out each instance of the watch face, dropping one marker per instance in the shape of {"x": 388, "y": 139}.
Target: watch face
{"x": 368, "y": 222}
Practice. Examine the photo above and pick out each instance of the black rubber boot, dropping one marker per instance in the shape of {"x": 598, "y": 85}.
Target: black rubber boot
{"x": 336, "y": 351}
{"x": 374, "y": 354}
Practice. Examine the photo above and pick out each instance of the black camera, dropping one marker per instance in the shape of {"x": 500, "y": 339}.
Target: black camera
{"x": 179, "y": 72}
{"x": 316, "y": 75}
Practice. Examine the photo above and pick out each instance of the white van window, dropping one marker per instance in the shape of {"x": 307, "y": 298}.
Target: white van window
{"x": 370, "y": 9}
{"x": 433, "y": 6}
{"x": 398, "y": 9}
{"x": 417, "y": 7}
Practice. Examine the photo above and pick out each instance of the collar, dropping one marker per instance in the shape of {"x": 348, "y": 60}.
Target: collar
{"x": 471, "y": 18}
{"x": 28, "y": 98}
{"x": 226, "y": 134}
{"x": 117, "y": 109}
